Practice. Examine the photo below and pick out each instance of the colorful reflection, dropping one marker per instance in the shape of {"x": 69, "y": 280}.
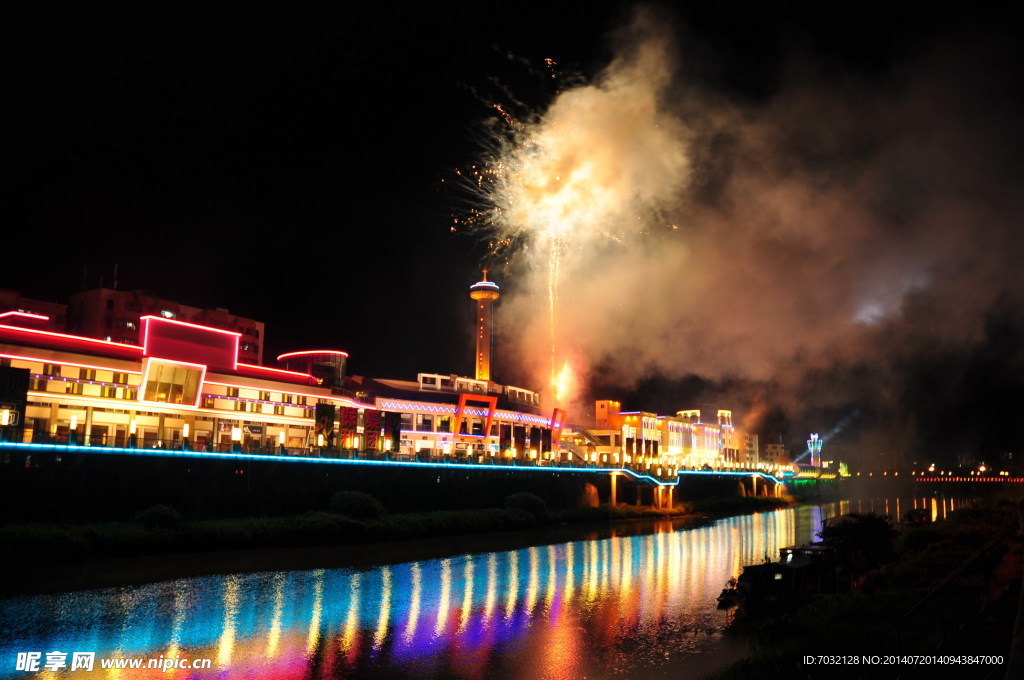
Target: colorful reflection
{"x": 613, "y": 607}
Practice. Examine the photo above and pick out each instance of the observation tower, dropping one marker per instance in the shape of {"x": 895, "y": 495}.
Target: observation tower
{"x": 485, "y": 293}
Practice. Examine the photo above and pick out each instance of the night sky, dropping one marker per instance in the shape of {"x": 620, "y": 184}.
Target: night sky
{"x": 297, "y": 168}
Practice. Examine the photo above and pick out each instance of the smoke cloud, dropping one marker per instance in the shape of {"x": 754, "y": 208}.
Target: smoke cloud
{"x": 826, "y": 247}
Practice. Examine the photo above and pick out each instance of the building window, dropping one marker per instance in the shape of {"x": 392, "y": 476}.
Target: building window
{"x": 171, "y": 383}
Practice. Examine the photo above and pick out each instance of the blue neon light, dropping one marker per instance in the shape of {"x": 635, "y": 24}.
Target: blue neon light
{"x": 166, "y": 453}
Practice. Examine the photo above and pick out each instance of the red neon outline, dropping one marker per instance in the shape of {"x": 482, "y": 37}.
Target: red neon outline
{"x": 145, "y": 378}
{"x": 464, "y": 399}
{"x": 557, "y": 424}
{"x": 312, "y": 351}
{"x": 274, "y": 370}
{"x": 70, "y": 337}
{"x": 69, "y": 363}
{"x": 145, "y": 340}
{"x": 26, "y": 314}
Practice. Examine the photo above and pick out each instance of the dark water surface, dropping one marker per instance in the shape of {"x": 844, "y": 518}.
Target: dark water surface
{"x": 619, "y": 606}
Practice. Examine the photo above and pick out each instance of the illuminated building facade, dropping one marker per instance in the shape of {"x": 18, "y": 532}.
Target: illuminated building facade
{"x": 685, "y": 441}
{"x": 186, "y": 386}
{"x": 776, "y": 454}
{"x": 456, "y": 417}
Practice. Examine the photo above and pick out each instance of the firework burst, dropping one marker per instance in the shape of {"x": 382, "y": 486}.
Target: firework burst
{"x": 558, "y": 187}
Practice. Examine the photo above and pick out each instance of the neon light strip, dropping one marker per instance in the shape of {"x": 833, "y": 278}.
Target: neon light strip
{"x": 331, "y": 397}
{"x": 446, "y": 435}
{"x": 79, "y": 381}
{"x": 250, "y": 400}
{"x": 390, "y": 404}
{"x": 523, "y": 417}
{"x": 65, "y": 336}
{"x": 69, "y": 363}
{"x": 313, "y": 351}
{"x": 27, "y": 315}
{"x": 1013, "y": 480}
{"x": 274, "y": 370}
{"x": 159, "y": 406}
{"x": 165, "y": 453}
{"x": 417, "y": 406}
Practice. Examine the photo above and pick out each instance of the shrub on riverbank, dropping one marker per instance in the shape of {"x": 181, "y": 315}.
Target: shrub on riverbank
{"x": 528, "y": 502}
{"x": 356, "y": 504}
{"x": 158, "y": 517}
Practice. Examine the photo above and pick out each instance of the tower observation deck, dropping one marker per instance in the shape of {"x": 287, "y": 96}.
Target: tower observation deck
{"x": 485, "y": 293}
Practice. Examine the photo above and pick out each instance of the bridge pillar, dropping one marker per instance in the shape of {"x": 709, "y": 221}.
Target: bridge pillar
{"x": 611, "y": 500}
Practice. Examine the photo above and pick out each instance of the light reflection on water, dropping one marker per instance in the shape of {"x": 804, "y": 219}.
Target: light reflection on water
{"x": 623, "y": 606}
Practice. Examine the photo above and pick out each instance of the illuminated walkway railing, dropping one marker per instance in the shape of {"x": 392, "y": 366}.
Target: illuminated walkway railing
{"x": 373, "y": 458}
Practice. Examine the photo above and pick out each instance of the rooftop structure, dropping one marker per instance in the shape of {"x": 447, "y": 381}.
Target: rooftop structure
{"x": 114, "y": 315}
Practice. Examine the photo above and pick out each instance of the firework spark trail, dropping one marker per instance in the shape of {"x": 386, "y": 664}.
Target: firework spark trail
{"x": 553, "y": 280}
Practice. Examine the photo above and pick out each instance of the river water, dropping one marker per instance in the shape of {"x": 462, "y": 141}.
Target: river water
{"x": 622, "y": 606}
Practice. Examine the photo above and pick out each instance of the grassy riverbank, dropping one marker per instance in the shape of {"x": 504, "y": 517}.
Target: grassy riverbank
{"x": 952, "y": 589}
{"x": 51, "y": 556}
